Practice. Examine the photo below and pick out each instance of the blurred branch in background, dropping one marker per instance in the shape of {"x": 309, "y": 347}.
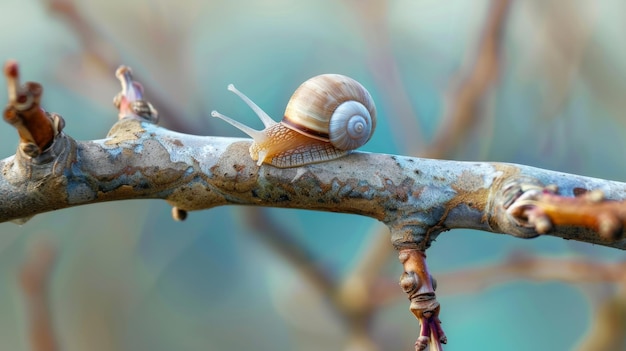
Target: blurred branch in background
{"x": 34, "y": 279}
{"x": 355, "y": 297}
{"x": 372, "y": 16}
{"x": 471, "y": 86}
{"x": 521, "y": 265}
{"x": 564, "y": 35}
{"x": 608, "y": 323}
{"x": 100, "y": 56}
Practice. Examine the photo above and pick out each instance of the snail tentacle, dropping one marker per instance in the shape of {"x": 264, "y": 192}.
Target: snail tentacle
{"x": 264, "y": 117}
{"x": 327, "y": 117}
{"x": 257, "y": 135}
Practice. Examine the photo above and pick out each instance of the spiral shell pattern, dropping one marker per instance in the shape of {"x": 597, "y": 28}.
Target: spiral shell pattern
{"x": 332, "y": 107}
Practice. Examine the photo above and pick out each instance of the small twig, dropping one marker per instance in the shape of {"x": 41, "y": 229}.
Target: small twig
{"x": 418, "y": 284}
{"x": 543, "y": 209}
{"x": 35, "y": 127}
{"x": 130, "y": 101}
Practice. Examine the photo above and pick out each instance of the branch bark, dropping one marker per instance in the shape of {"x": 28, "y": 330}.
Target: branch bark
{"x": 416, "y": 198}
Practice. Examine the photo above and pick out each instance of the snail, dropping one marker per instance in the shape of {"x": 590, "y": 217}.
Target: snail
{"x": 327, "y": 117}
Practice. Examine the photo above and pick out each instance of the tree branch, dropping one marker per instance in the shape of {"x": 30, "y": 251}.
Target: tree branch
{"x": 417, "y": 198}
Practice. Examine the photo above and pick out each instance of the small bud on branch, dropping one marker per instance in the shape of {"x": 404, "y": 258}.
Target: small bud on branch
{"x": 34, "y": 126}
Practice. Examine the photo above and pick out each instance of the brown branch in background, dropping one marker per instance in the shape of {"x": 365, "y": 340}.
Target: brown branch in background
{"x": 372, "y": 16}
{"x": 608, "y": 323}
{"x": 280, "y": 240}
{"x": 107, "y": 58}
{"x": 34, "y": 278}
{"x": 531, "y": 267}
{"x": 99, "y": 50}
{"x": 607, "y": 326}
{"x": 543, "y": 209}
{"x": 565, "y": 34}
{"x": 358, "y": 294}
{"x": 465, "y": 100}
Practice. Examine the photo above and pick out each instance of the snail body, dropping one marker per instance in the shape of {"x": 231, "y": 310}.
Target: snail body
{"x": 327, "y": 117}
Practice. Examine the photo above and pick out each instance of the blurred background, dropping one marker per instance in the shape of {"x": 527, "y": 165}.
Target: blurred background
{"x": 538, "y": 82}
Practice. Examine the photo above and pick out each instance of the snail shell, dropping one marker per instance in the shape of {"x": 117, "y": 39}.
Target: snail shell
{"x": 327, "y": 117}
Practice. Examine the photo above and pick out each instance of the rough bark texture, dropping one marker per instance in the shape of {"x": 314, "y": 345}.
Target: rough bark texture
{"x": 416, "y": 198}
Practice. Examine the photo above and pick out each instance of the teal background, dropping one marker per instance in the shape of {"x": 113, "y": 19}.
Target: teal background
{"x": 127, "y": 277}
